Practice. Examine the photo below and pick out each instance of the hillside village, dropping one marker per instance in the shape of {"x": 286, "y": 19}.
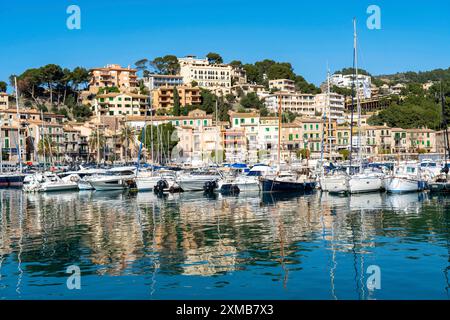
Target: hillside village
{"x": 200, "y": 105}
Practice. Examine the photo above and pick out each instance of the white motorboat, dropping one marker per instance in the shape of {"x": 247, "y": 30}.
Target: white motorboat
{"x": 114, "y": 179}
{"x": 406, "y": 178}
{"x": 246, "y": 182}
{"x": 196, "y": 180}
{"x": 86, "y": 176}
{"x": 147, "y": 180}
{"x": 48, "y": 181}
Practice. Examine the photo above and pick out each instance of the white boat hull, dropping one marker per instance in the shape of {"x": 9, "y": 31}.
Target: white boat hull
{"x": 85, "y": 185}
{"x": 401, "y": 184}
{"x": 334, "y": 184}
{"x": 110, "y": 184}
{"x": 363, "y": 183}
{"x": 146, "y": 183}
{"x": 194, "y": 184}
{"x": 59, "y": 187}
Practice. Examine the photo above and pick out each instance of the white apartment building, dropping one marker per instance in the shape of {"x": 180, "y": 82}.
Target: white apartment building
{"x": 282, "y": 85}
{"x": 347, "y": 81}
{"x": 249, "y": 122}
{"x": 336, "y": 105}
{"x": 116, "y": 104}
{"x": 155, "y": 81}
{"x": 268, "y": 138}
{"x": 212, "y": 76}
{"x": 299, "y": 103}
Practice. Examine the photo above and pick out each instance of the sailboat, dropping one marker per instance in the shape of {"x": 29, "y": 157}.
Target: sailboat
{"x": 442, "y": 182}
{"x": 362, "y": 181}
{"x": 336, "y": 181}
{"x": 286, "y": 181}
{"x": 12, "y": 179}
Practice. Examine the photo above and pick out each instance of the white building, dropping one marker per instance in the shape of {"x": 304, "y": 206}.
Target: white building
{"x": 299, "y": 103}
{"x": 336, "y": 105}
{"x": 282, "y": 85}
{"x": 347, "y": 81}
{"x": 216, "y": 77}
{"x": 155, "y": 81}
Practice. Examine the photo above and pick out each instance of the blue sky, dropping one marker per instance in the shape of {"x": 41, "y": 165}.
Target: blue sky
{"x": 414, "y": 35}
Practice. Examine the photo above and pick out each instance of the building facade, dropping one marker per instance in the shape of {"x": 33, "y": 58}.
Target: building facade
{"x": 213, "y": 76}
{"x": 118, "y": 104}
{"x": 163, "y": 97}
{"x": 155, "y": 81}
{"x": 113, "y": 75}
{"x": 299, "y": 103}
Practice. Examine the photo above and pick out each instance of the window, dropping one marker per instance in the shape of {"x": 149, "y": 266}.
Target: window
{"x": 236, "y": 121}
{"x": 252, "y": 120}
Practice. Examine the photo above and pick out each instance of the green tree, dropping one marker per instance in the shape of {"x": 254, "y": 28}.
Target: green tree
{"x": 176, "y": 102}
{"x": 344, "y": 153}
{"x": 214, "y": 58}
{"x": 127, "y": 140}
{"x": 3, "y": 86}
{"x": 96, "y": 143}
{"x": 251, "y": 101}
{"x": 142, "y": 66}
{"x": 164, "y": 140}
{"x": 351, "y": 70}
{"x": 236, "y": 64}
{"x": 166, "y": 65}
{"x": 47, "y": 147}
{"x": 51, "y": 75}
{"x": 280, "y": 71}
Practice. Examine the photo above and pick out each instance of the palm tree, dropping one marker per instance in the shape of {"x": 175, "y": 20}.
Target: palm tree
{"x": 127, "y": 138}
{"x": 97, "y": 141}
{"x": 47, "y": 148}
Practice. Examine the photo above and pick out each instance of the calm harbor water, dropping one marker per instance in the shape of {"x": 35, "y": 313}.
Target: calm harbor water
{"x": 251, "y": 246}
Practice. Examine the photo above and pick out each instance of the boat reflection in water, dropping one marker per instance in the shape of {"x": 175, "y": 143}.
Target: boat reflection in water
{"x": 188, "y": 245}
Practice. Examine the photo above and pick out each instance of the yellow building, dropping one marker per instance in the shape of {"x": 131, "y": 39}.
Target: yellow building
{"x": 113, "y": 75}
{"x": 163, "y": 97}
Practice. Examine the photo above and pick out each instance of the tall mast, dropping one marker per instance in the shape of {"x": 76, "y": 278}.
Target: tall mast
{"x": 43, "y": 138}
{"x": 279, "y": 132}
{"x": 353, "y": 96}
{"x": 1, "y": 144}
{"x": 19, "y": 152}
{"x": 330, "y": 131}
{"x": 217, "y": 136}
{"x": 151, "y": 130}
{"x": 98, "y": 140}
{"x": 358, "y": 105}
{"x": 445, "y": 131}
